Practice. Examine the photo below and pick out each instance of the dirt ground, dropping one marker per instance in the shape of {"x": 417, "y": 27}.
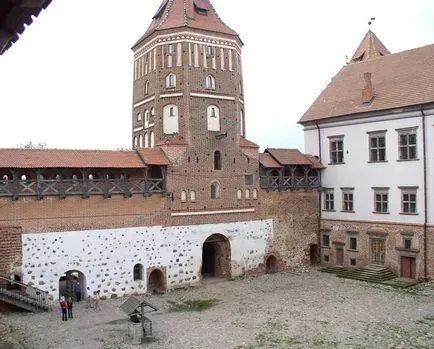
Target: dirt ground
{"x": 310, "y": 310}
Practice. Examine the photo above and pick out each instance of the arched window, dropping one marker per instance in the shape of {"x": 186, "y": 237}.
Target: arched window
{"x": 153, "y": 111}
{"x": 140, "y": 141}
{"x": 170, "y": 119}
{"x": 146, "y": 118}
{"x": 138, "y": 272}
{"x": 192, "y": 196}
{"x": 171, "y": 80}
{"x": 215, "y": 190}
{"x": 74, "y": 178}
{"x": 23, "y": 177}
{"x": 90, "y": 177}
{"x": 135, "y": 141}
{"x": 217, "y": 160}
{"x": 239, "y": 194}
{"x": 255, "y": 194}
{"x": 210, "y": 82}
{"x": 152, "y": 140}
{"x": 183, "y": 196}
{"x": 146, "y": 142}
{"x": 5, "y": 177}
{"x": 146, "y": 88}
{"x": 139, "y": 116}
{"x": 213, "y": 117}
{"x": 247, "y": 194}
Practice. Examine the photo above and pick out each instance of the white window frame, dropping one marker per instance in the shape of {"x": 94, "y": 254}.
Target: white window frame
{"x": 336, "y": 148}
{"x": 210, "y": 82}
{"x": 381, "y": 198}
{"x": 377, "y": 151}
{"x": 329, "y": 200}
{"x": 347, "y": 200}
{"x": 171, "y": 81}
{"x": 405, "y": 148}
{"x": 408, "y": 200}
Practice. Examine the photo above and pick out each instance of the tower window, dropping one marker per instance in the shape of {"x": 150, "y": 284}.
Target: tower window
{"x": 138, "y": 272}
{"x": 139, "y": 116}
{"x": 217, "y": 160}
{"x": 146, "y": 88}
{"x": 170, "y": 49}
{"x": 183, "y": 196}
{"x": 213, "y": 116}
{"x": 215, "y": 190}
{"x": 210, "y": 51}
{"x": 210, "y": 82}
{"x": 171, "y": 80}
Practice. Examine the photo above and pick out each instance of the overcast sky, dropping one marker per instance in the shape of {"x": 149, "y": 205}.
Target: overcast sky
{"x": 68, "y": 80}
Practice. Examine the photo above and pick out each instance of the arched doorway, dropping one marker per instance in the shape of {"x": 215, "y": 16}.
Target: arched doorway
{"x": 73, "y": 284}
{"x": 271, "y": 265}
{"x": 156, "y": 282}
{"x": 216, "y": 257}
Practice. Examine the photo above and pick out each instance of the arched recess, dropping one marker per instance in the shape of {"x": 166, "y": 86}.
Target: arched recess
{"x": 271, "y": 264}
{"x": 216, "y": 257}
{"x": 73, "y": 284}
{"x": 157, "y": 282}
{"x": 170, "y": 119}
{"x": 213, "y": 118}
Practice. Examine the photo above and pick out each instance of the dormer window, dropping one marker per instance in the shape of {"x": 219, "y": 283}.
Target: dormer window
{"x": 201, "y": 8}
{"x": 210, "y": 82}
{"x": 171, "y": 80}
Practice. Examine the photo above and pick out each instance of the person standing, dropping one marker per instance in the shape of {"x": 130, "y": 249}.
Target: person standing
{"x": 69, "y": 304}
{"x": 64, "y": 307}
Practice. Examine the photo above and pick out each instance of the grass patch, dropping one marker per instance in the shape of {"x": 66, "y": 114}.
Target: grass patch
{"x": 192, "y": 305}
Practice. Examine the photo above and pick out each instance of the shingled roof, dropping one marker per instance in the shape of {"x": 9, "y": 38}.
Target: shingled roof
{"x": 65, "y": 158}
{"x": 371, "y": 47}
{"x": 398, "y": 80}
{"x": 14, "y": 15}
{"x": 272, "y": 158}
{"x": 194, "y": 14}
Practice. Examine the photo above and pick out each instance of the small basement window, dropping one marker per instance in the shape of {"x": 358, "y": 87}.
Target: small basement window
{"x": 353, "y": 261}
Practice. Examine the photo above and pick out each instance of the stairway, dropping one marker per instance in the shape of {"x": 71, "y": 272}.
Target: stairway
{"x": 370, "y": 273}
{"x": 23, "y": 296}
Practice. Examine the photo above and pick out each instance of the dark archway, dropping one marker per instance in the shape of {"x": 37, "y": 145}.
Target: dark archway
{"x": 73, "y": 284}
{"x": 314, "y": 254}
{"x": 271, "y": 265}
{"x": 216, "y": 257}
{"x": 156, "y": 282}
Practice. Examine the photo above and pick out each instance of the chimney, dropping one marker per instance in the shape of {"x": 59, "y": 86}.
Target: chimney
{"x": 368, "y": 92}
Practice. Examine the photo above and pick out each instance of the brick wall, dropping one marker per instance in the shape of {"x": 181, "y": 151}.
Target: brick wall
{"x": 10, "y": 250}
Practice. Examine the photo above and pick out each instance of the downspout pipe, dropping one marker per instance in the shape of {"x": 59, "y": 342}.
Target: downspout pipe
{"x": 425, "y": 194}
{"x": 319, "y": 192}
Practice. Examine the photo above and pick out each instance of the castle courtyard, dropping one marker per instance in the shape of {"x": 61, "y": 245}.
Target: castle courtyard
{"x": 284, "y": 310}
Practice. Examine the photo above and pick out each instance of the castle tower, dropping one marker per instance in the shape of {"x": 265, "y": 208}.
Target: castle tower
{"x": 188, "y": 100}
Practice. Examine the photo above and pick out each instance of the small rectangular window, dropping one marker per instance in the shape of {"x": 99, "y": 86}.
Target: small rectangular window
{"x": 326, "y": 258}
{"x": 407, "y": 144}
{"x": 377, "y": 147}
{"x": 353, "y": 243}
{"x": 381, "y": 198}
{"x": 336, "y": 150}
{"x": 248, "y": 179}
{"x": 329, "y": 200}
{"x": 348, "y": 201}
{"x": 353, "y": 261}
{"x": 407, "y": 243}
{"x": 326, "y": 240}
{"x": 408, "y": 201}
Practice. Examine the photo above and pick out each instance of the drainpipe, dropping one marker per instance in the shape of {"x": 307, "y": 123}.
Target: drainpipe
{"x": 319, "y": 192}
{"x": 425, "y": 189}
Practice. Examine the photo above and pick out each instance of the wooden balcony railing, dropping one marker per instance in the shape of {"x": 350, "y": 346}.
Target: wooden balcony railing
{"x": 289, "y": 182}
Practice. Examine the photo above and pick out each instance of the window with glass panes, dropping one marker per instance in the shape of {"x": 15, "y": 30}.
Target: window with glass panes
{"x": 348, "y": 201}
{"x": 329, "y": 200}
{"x": 381, "y": 201}
{"x": 377, "y": 147}
{"x": 408, "y": 201}
{"x": 336, "y": 150}
{"x": 407, "y": 144}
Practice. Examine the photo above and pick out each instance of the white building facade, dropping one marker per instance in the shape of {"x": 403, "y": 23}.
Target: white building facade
{"x": 372, "y": 128}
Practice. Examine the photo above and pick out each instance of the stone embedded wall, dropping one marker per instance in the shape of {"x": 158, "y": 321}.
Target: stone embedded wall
{"x": 430, "y": 253}
{"x": 107, "y": 257}
{"x": 393, "y": 234}
{"x": 10, "y": 250}
{"x": 295, "y": 217}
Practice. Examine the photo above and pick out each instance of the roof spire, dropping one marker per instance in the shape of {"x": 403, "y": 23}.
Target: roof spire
{"x": 371, "y": 47}
{"x": 194, "y": 14}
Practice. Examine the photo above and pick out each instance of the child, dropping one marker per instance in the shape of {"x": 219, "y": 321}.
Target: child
{"x": 64, "y": 307}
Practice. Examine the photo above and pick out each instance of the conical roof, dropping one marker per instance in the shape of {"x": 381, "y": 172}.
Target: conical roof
{"x": 195, "y": 14}
{"x": 371, "y": 47}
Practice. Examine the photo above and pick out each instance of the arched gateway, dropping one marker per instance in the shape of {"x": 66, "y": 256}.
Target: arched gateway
{"x": 216, "y": 257}
{"x": 73, "y": 284}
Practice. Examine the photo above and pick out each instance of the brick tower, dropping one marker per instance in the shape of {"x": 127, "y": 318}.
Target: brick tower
{"x": 188, "y": 100}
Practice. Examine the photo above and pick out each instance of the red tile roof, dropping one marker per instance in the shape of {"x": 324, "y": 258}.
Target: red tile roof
{"x": 65, "y": 158}
{"x": 245, "y": 143}
{"x": 288, "y": 156}
{"x": 371, "y": 47}
{"x": 184, "y": 13}
{"x": 267, "y": 160}
{"x": 399, "y": 80}
{"x": 153, "y": 156}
